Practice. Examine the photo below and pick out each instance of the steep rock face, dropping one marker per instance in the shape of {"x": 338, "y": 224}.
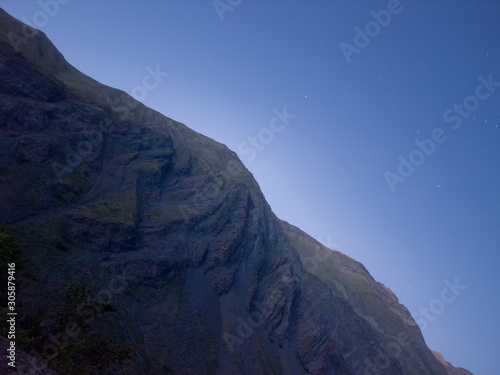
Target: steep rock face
{"x": 175, "y": 233}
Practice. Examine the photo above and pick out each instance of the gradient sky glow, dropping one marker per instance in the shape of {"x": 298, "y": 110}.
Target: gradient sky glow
{"x": 324, "y": 172}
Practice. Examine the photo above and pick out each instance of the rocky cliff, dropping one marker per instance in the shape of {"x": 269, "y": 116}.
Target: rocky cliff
{"x": 169, "y": 230}
{"x": 449, "y": 367}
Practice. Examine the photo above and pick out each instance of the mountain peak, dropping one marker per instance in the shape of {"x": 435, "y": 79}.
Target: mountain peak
{"x": 200, "y": 275}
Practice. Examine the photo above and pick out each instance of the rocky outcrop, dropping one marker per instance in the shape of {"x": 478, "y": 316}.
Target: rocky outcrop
{"x": 169, "y": 228}
{"x": 449, "y": 367}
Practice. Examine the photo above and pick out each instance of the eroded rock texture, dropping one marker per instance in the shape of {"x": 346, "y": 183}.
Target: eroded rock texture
{"x": 175, "y": 232}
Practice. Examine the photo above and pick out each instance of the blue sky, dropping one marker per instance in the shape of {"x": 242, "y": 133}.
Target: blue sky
{"x": 325, "y": 169}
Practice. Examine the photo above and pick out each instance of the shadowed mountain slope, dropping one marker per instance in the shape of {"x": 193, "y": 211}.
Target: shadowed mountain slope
{"x": 168, "y": 228}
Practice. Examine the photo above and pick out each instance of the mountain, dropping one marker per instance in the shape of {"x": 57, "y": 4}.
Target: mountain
{"x": 139, "y": 231}
{"x": 449, "y": 367}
